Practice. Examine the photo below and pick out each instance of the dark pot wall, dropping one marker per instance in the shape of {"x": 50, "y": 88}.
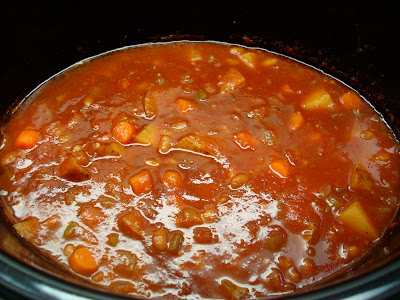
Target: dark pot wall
{"x": 353, "y": 42}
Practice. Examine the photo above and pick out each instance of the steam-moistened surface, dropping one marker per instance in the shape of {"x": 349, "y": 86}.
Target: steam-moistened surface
{"x": 199, "y": 170}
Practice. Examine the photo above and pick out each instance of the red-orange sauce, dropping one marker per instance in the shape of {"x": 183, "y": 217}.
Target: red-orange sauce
{"x": 199, "y": 169}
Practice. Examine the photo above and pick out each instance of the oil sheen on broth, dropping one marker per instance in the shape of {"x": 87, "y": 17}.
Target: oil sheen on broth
{"x": 198, "y": 169}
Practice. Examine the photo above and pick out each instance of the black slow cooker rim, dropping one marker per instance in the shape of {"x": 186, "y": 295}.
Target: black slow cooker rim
{"x": 20, "y": 280}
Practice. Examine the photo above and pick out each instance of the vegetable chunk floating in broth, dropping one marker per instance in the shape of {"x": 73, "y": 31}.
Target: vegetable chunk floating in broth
{"x": 198, "y": 170}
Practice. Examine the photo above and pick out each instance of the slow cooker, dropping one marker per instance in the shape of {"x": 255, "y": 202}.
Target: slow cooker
{"x": 353, "y": 42}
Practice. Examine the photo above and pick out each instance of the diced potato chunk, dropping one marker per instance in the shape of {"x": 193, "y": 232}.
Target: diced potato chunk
{"x": 234, "y": 291}
{"x": 270, "y": 62}
{"x": 133, "y": 224}
{"x": 318, "y": 99}
{"x": 249, "y": 58}
{"x": 361, "y": 178}
{"x": 195, "y": 55}
{"x": 71, "y": 170}
{"x": 150, "y": 103}
{"x": 28, "y": 229}
{"x": 148, "y": 135}
{"x": 126, "y": 262}
{"x": 355, "y": 217}
{"x": 113, "y": 149}
{"x": 193, "y": 143}
{"x": 231, "y": 81}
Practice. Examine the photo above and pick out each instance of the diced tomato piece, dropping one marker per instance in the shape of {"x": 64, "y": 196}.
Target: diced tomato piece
{"x": 186, "y": 105}
{"x": 82, "y": 261}
{"x": 142, "y": 182}
{"x": 280, "y": 168}
{"x": 231, "y": 81}
{"x": 123, "y": 132}
{"x": 245, "y": 140}
{"x": 27, "y": 139}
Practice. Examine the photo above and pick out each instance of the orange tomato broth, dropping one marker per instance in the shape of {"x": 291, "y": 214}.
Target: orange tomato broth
{"x": 191, "y": 170}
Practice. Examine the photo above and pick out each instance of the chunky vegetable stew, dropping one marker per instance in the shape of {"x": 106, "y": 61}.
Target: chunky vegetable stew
{"x": 198, "y": 170}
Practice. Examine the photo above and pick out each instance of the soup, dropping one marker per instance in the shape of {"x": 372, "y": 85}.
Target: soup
{"x": 198, "y": 170}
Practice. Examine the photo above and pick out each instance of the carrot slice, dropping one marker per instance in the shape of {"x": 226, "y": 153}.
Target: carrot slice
{"x": 123, "y": 132}
{"x": 142, "y": 182}
{"x": 27, "y": 139}
{"x": 172, "y": 179}
{"x": 245, "y": 140}
{"x": 296, "y": 121}
{"x": 280, "y": 168}
{"x": 231, "y": 81}
{"x": 350, "y": 100}
{"x": 186, "y": 105}
{"x": 82, "y": 261}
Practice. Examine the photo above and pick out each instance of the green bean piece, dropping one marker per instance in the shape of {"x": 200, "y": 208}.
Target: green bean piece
{"x": 70, "y": 229}
{"x": 175, "y": 245}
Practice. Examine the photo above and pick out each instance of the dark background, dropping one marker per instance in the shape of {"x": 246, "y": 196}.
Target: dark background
{"x": 348, "y": 40}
